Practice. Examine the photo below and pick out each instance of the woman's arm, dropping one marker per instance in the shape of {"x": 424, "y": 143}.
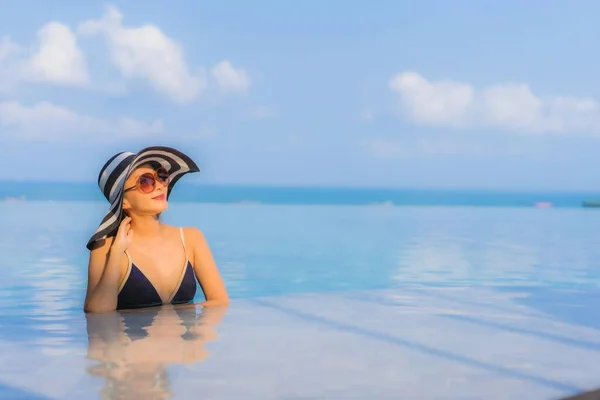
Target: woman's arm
{"x": 104, "y": 271}
{"x": 206, "y": 270}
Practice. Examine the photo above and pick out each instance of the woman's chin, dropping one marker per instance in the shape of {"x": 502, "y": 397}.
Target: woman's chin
{"x": 157, "y": 208}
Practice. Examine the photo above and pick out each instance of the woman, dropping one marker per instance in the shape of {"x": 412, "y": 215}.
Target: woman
{"x": 135, "y": 259}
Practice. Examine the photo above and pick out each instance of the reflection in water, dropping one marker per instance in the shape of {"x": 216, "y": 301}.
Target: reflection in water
{"x": 134, "y": 348}
{"x": 496, "y": 247}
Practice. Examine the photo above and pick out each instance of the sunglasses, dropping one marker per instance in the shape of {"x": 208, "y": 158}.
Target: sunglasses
{"x": 147, "y": 182}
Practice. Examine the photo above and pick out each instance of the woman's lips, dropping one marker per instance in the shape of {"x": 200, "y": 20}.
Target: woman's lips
{"x": 159, "y": 197}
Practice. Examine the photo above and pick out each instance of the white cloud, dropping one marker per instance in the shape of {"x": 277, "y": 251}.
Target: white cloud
{"x": 55, "y": 59}
{"x": 143, "y": 53}
{"x": 146, "y": 53}
{"x": 508, "y": 106}
{"x": 231, "y": 79}
{"x": 48, "y": 122}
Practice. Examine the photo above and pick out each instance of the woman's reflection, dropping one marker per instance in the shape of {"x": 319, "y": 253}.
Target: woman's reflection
{"x": 135, "y": 347}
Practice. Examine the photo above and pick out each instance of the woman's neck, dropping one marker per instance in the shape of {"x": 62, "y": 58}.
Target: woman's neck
{"x": 146, "y": 227}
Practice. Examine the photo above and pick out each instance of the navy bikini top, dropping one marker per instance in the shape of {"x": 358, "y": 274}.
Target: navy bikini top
{"x": 136, "y": 290}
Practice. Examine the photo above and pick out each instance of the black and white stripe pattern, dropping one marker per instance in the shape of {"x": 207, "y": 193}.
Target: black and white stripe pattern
{"x": 114, "y": 173}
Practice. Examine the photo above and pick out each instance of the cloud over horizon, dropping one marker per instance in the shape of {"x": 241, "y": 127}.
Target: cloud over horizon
{"x": 506, "y": 106}
{"x": 44, "y": 121}
{"x": 58, "y": 58}
{"x": 55, "y": 58}
{"x": 144, "y": 53}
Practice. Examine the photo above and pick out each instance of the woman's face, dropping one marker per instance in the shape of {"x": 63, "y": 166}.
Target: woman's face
{"x": 146, "y": 191}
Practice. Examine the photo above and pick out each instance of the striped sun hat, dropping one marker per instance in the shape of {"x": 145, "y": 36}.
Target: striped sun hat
{"x": 117, "y": 169}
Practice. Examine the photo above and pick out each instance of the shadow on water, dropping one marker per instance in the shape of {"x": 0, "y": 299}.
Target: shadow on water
{"x": 132, "y": 350}
{"x": 570, "y": 306}
{"x": 574, "y": 306}
{"x": 508, "y": 327}
{"x": 578, "y": 306}
{"x": 565, "y": 387}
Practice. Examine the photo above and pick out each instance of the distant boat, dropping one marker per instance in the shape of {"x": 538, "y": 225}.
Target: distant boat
{"x": 591, "y": 203}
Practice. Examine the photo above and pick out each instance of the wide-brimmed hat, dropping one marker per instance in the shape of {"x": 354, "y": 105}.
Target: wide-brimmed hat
{"x": 117, "y": 169}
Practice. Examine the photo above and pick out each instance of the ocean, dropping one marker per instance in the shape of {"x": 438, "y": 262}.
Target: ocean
{"x": 336, "y": 293}
{"x": 196, "y": 193}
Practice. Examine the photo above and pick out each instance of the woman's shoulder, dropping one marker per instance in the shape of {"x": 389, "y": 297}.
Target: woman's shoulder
{"x": 195, "y": 242}
{"x": 191, "y": 234}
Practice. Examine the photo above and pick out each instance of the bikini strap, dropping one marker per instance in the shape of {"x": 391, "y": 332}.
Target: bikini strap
{"x": 187, "y": 257}
{"x": 129, "y": 264}
{"x": 182, "y": 240}
{"x": 128, "y": 257}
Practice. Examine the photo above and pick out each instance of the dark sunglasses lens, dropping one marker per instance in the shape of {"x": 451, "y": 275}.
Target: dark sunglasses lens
{"x": 163, "y": 175}
{"x": 146, "y": 183}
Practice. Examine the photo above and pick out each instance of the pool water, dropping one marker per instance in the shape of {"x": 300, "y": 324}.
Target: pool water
{"x": 327, "y": 302}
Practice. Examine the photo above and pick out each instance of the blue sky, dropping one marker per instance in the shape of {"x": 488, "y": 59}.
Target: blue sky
{"x": 390, "y": 93}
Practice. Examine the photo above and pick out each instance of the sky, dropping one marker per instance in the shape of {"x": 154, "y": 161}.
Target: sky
{"x": 423, "y": 93}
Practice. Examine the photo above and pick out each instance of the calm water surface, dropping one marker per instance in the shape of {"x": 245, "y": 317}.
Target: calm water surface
{"x": 546, "y": 260}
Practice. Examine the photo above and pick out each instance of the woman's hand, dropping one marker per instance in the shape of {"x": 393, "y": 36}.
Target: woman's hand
{"x": 124, "y": 235}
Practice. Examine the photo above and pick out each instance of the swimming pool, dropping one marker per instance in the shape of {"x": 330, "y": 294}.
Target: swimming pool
{"x": 328, "y": 302}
